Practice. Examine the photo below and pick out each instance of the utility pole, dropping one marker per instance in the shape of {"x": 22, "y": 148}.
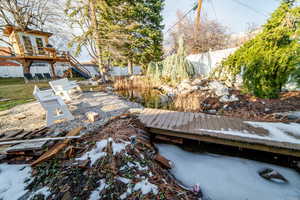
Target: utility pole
{"x": 198, "y": 14}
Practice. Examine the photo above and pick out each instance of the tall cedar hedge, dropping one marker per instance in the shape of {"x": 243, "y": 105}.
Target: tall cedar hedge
{"x": 268, "y": 60}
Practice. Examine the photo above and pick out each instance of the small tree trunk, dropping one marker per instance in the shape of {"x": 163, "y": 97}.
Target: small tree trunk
{"x": 96, "y": 37}
{"x": 130, "y": 68}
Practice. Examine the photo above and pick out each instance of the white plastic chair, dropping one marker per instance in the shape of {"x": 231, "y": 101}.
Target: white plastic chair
{"x": 54, "y": 106}
{"x": 64, "y": 88}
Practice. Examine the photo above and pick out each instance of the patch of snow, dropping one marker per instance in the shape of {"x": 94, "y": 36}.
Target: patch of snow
{"x": 280, "y": 132}
{"x": 96, "y": 153}
{"x": 219, "y": 88}
{"x": 125, "y": 194}
{"x": 124, "y": 180}
{"x": 145, "y": 186}
{"x": 95, "y": 194}
{"x": 44, "y": 191}
{"x": 118, "y": 147}
{"x": 229, "y": 178}
{"x": 12, "y": 178}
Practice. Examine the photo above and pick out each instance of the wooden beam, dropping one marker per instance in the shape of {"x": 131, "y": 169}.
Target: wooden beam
{"x": 52, "y": 65}
{"x": 215, "y": 140}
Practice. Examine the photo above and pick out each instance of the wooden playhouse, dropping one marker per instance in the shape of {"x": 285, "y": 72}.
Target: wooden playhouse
{"x": 29, "y": 46}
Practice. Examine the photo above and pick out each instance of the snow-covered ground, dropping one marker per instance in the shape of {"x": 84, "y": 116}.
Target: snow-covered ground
{"x": 230, "y": 178}
{"x": 12, "y": 181}
{"x": 280, "y": 132}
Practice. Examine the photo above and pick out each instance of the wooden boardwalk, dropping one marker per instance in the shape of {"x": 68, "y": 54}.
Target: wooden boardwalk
{"x": 215, "y": 129}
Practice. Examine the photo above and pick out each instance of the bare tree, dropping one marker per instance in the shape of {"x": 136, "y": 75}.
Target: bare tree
{"x": 43, "y": 15}
{"x": 210, "y": 35}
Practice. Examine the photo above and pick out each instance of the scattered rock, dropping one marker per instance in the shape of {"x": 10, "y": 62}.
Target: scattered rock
{"x": 293, "y": 115}
{"x": 227, "y": 98}
{"x": 203, "y": 88}
{"x": 212, "y": 111}
{"x": 185, "y": 87}
{"x": 272, "y": 175}
{"x": 199, "y": 82}
{"x": 219, "y": 88}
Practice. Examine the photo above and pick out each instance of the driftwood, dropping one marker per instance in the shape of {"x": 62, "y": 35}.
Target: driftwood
{"x": 57, "y": 147}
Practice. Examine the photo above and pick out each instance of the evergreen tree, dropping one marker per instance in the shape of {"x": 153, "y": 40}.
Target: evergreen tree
{"x": 143, "y": 43}
{"x": 267, "y": 61}
{"x": 122, "y": 31}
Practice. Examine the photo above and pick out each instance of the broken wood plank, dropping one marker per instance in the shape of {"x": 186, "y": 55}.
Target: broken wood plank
{"x": 29, "y": 146}
{"x": 57, "y": 147}
{"x": 11, "y": 133}
{"x": 163, "y": 161}
{"x": 39, "y": 140}
{"x": 175, "y": 140}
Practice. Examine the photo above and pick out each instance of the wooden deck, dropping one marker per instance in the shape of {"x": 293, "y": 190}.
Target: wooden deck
{"x": 208, "y": 128}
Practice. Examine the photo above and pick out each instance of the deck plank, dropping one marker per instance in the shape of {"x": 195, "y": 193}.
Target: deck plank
{"x": 189, "y": 125}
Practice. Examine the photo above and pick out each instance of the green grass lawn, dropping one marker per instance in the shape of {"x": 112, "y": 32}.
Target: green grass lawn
{"x": 17, "y": 92}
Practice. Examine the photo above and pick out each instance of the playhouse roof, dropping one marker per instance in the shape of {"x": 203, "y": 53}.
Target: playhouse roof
{"x": 9, "y": 29}
{"x": 5, "y": 51}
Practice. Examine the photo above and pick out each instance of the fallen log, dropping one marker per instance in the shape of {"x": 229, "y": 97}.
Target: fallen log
{"x": 57, "y": 147}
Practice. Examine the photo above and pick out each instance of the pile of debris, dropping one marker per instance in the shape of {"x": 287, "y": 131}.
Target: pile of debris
{"x": 117, "y": 161}
{"x": 19, "y": 146}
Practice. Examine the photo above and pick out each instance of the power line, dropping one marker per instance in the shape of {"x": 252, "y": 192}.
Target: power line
{"x": 249, "y": 7}
{"x": 188, "y": 12}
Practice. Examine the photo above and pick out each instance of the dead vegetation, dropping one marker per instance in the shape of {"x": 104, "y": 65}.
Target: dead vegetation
{"x": 122, "y": 83}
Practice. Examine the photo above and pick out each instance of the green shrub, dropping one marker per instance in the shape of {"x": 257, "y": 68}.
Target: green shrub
{"x": 269, "y": 59}
{"x": 172, "y": 69}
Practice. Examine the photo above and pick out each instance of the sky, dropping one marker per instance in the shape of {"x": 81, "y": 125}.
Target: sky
{"x": 228, "y": 12}
{"x": 235, "y": 14}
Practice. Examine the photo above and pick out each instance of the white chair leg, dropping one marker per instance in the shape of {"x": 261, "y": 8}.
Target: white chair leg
{"x": 66, "y": 113}
{"x": 50, "y": 118}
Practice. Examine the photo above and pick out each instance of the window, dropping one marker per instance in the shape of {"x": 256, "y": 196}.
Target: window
{"x": 28, "y": 45}
{"x": 40, "y": 46}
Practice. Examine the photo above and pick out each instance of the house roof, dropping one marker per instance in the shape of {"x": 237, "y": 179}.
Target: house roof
{"x": 9, "y": 29}
{"x": 5, "y": 51}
